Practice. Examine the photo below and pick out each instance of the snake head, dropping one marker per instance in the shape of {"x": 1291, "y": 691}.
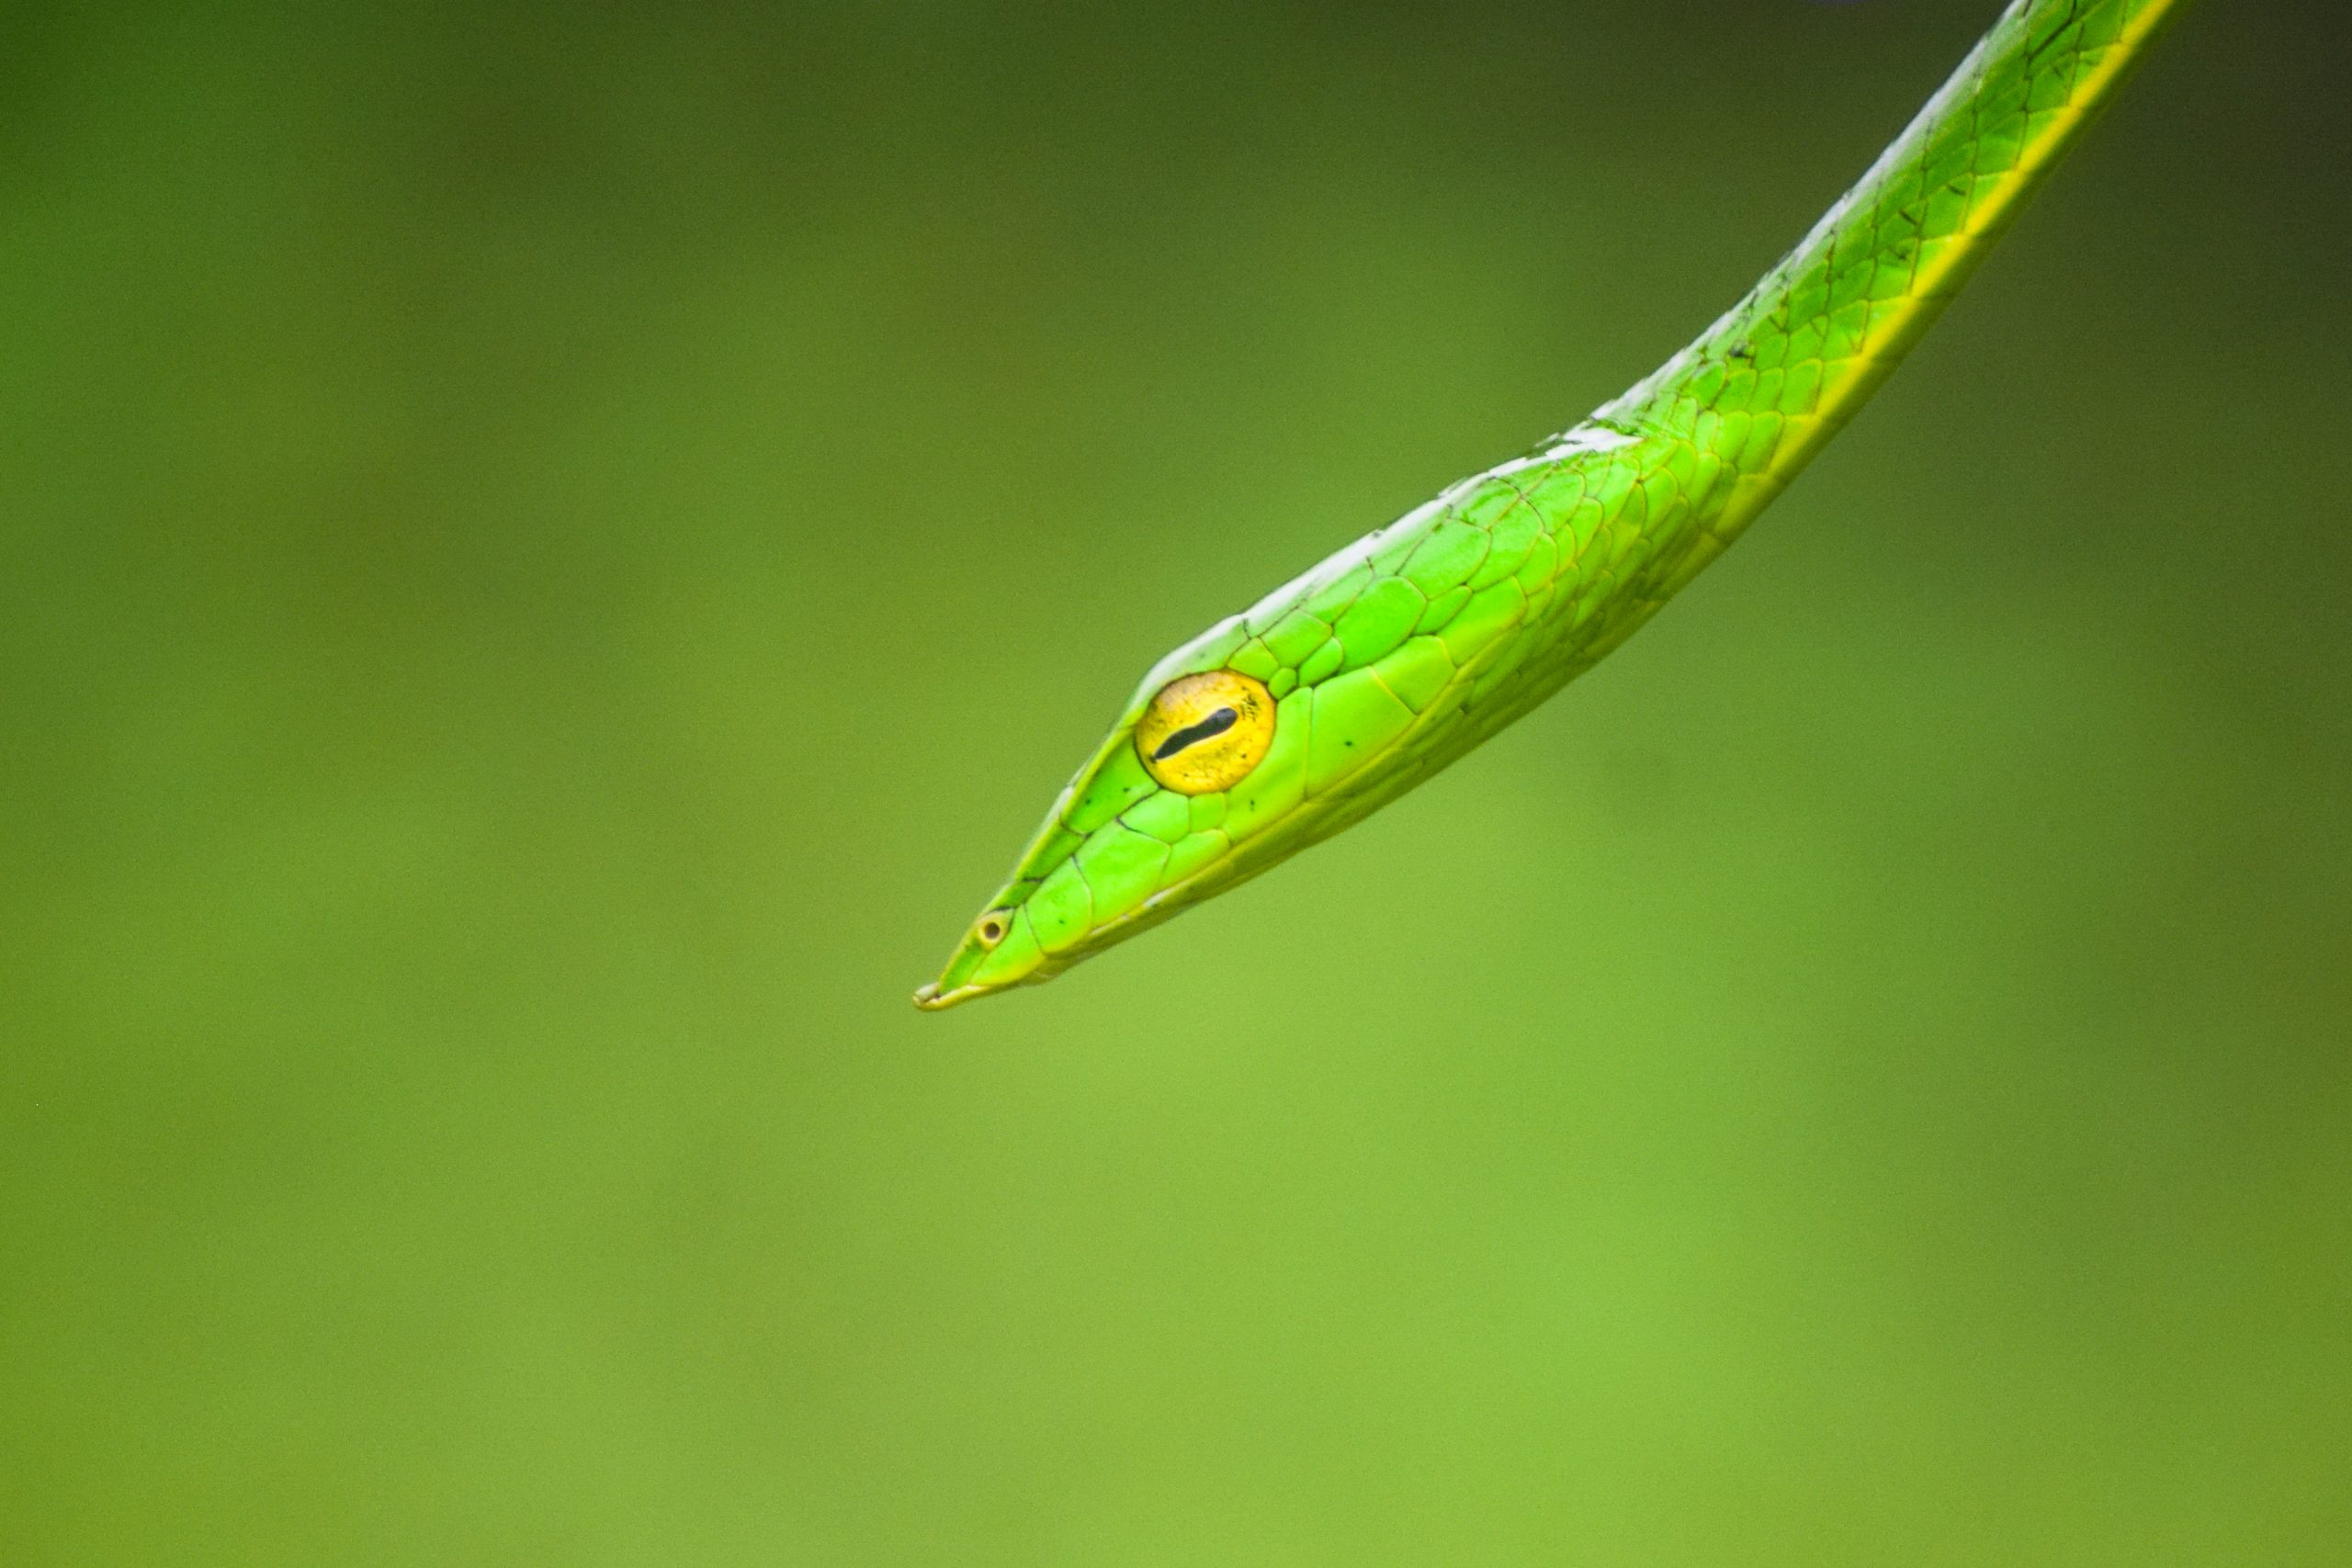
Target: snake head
{"x": 1270, "y": 731}
{"x": 1203, "y": 755}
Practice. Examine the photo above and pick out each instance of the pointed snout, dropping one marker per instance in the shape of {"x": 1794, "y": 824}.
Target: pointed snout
{"x": 931, "y": 998}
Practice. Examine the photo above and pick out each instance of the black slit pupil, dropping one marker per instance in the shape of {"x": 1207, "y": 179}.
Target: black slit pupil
{"x": 1217, "y": 723}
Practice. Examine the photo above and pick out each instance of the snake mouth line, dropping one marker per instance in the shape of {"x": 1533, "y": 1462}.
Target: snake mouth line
{"x": 1240, "y": 867}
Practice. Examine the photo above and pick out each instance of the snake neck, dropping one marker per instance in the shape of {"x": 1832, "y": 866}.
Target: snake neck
{"x": 1784, "y": 370}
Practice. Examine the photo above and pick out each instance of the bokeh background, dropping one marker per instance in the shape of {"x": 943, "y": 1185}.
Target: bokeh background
{"x": 551, "y": 555}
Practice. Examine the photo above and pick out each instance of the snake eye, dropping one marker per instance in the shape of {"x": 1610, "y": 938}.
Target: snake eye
{"x": 993, "y": 927}
{"x": 1205, "y": 732}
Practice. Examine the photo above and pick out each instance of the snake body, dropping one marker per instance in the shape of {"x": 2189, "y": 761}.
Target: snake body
{"x": 1344, "y": 688}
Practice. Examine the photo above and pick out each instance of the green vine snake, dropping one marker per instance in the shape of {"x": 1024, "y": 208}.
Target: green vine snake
{"x": 1338, "y": 692}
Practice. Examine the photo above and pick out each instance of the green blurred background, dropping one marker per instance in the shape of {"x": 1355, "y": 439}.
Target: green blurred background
{"x": 550, "y": 556}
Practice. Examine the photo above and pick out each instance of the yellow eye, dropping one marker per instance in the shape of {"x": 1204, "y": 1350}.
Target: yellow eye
{"x": 993, "y": 927}
{"x": 1204, "y": 732}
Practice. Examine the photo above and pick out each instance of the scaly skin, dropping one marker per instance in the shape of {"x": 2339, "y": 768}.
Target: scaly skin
{"x": 1408, "y": 648}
